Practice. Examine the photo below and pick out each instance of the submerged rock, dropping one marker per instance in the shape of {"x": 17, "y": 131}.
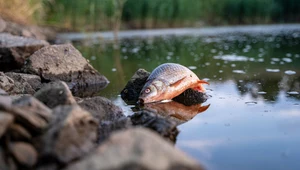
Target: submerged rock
{"x": 130, "y": 93}
{"x": 54, "y": 94}
{"x": 14, "y": 50}
{"x": 71, "y": 135}
{"x": 65, "y": 63}
{"x": 136, "y": 148}
{"x": 165, "y": 127}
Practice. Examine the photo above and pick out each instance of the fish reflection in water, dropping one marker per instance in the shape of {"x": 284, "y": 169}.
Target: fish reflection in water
{"x": 176, "y": 111}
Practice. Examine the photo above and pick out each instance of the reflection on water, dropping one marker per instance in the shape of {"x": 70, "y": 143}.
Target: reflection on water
{"x": 176, "y": 111}
{"x": 254, "y": 118}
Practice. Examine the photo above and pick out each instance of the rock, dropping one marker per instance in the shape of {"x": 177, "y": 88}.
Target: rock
{"x": 130, "y": 93}
{"x": 17, "y": 83}
{"x": 6, "y": 83}
{"x": 135, "y": 148}
{"x": 17, "y": 133}
{"x": 101, "y": 108}
{"x": 24, "y": 153}
{"x": 106, "y": 128}
{"x": 15, "y": 49}
{"x": 29, "y": 120}
{"x": 5, "y": 120}
{"x": 164, "y": 127}
{"x": 33, "y": 80}
{"x": 65, "y": 63}
{"x": 34, "y": 106}
{"x": 54, "y": 94}
{"x": 3, "y": 164}
{"x": 72, "y": 134}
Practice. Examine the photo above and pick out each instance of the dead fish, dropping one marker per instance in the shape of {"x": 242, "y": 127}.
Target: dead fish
{"x": 168, "y": 81}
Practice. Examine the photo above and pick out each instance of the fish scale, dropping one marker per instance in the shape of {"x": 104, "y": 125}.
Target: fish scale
{"x": 166, "y": 72}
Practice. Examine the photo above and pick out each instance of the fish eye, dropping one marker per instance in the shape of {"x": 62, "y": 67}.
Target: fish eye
{"x": 147, "y": 91}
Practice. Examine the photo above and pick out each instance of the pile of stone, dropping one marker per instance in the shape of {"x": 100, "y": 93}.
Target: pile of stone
{"x": 48, "y": 122}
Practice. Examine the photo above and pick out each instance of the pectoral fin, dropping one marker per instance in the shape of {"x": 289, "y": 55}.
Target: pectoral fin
{"x": 199, "y": 87}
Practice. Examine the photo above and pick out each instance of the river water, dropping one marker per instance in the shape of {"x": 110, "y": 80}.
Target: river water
{"x": 253, "y": 121}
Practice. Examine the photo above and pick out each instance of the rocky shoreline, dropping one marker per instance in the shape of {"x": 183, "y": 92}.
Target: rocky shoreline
{"x": 49, "y": 120}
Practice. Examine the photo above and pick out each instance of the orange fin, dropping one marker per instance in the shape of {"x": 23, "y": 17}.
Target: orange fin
{"x": 199, "y": 87}
{"x": 203, "y": 108}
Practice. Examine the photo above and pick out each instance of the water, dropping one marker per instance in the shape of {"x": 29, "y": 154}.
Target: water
{"x": 253, "y": 121}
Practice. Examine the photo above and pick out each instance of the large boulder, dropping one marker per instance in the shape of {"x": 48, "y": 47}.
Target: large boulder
{"x": 15, "y": 49}
{"x": 136, "y": 148}
{"x": 71, "y": 135}
{"x": 65, "y": 63}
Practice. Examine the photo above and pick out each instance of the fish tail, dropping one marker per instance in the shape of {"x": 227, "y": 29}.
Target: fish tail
{"x": 199, "y": 86}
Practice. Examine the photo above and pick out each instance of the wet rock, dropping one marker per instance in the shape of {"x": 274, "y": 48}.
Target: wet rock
{"x": 54, "y": 94}
{"x": 65, "y": 63}
{"x": 33, "y": 81}
{"x": 71, "y": 135}
{"x": 130, "y": 93}
{"x": 18, "y": 133}
{"x": 101, "y": 108}
{"x": 34, "y": 106}
{"x": 165, "y": 127}
{"x": 24, "y": 153}
{"x": 106, "y": 128}
{"x": 5, "y": 120}
{"x": 15, "y": 49}
{"x": 191, "y": 97}
{"x": 135, "y": 148}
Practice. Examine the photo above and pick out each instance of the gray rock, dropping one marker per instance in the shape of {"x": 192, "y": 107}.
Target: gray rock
{"x": 17, "y": 83}
{"x": 101, "y": 108}
{"x": 34, "y": 106}
{"x": 33, "y": 80}
{"x": 15, "y": 49}
{"x": 24, "y": 153}
{"x": 5, "y": 120}
{"x": 54, "y": 94}
{"x": 136, "y": 148}
{"x": 6, "y": 83}
{"x": 71, "y": 135}
{"x": 65, "y": 63}
{"x": 131, "y": 92}
{"x": 164, "y": 127}
{"x": 106, "y": 128}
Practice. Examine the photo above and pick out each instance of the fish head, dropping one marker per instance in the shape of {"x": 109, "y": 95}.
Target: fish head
{"x": 152, "y": 91}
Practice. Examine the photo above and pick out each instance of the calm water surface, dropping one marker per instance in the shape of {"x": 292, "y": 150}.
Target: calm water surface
{"x": 253, "y": 121}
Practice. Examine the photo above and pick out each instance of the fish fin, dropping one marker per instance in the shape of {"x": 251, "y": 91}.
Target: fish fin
{"x": 203, "y": 108}
{"x": 199, "y": 87}
{"x": 177, "y": 82}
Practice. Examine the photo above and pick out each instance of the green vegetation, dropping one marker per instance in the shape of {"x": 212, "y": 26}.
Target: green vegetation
{"x": 95, "y": 15}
